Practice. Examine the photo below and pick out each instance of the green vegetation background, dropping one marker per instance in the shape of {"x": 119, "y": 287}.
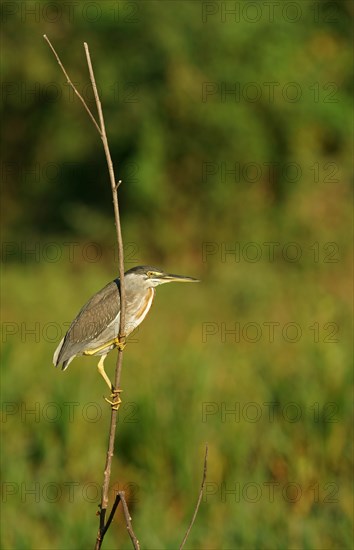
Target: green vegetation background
{"x": 166, "y": 71}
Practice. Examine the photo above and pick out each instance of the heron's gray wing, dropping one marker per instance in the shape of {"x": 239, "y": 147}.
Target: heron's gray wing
{"x": 91, "y": 321}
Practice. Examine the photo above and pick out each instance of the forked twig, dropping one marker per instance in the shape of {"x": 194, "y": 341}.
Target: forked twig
{"x": 111, "y": 515}
{"x": 199, "y": 498}
{"x": 104, "y": 525}
{"x": 71, "y": 84}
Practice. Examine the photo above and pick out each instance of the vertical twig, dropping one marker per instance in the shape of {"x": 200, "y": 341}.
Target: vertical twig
{"x": 199, "y": 498}
{"x": 114, "y": 186}
{"x": 112, "y": 432}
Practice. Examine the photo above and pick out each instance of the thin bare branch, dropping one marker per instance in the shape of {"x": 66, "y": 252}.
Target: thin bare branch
{"x": 113, "y": 425}
{"x": 71, "y": 84}
{"x": 115, "y": 199}
{"x": 199, "y": 498}
{"x": 111, "y": 515}
{"x": 128, "y": 521}
{"x": 103, "y": 525}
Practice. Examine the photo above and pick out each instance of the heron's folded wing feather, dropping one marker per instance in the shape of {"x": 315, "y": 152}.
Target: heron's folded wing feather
{"x": 99, "y": 312}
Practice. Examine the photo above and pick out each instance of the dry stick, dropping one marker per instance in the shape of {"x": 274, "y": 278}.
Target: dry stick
{"x": 111, "y": 515}
{"x": 71, "y": 84}
{"x": 103, "y": 527}
{"x": 199, "y": 498}
{"x": 110, "y": 451}
{"x": 102, "y": 132}
{"x": 128, "y": 521}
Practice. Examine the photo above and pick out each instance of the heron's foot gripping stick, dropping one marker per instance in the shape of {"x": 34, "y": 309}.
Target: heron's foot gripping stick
{"x": 116, "y": 400}
{"x": 119, "y": 343}
{"x": 116, "y": 342}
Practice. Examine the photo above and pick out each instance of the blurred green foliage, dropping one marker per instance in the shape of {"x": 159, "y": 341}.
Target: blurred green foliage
{"x": 229, "y": 124}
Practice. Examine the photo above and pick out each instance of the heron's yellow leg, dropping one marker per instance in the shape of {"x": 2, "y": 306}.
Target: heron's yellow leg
{"x": 116, "y": 342}
{"x": 103, "y": 373}
{"x": 115, "y": 393}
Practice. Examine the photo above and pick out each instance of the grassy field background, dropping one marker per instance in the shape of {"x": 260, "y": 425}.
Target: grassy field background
{"x": 255, "y": 360}
{"x": 276, "y": 414}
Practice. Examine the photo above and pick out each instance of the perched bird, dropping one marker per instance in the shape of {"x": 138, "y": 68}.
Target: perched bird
{"x": 94, "y": 331}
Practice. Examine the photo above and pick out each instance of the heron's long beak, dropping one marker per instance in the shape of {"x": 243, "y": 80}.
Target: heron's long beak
{"x": 169, "y": 278}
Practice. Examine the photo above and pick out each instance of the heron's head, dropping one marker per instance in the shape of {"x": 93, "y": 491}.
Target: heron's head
{"x": 150, "y": 276}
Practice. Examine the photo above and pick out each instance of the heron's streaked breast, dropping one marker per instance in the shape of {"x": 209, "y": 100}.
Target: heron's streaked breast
{"x": 134, "y": 318}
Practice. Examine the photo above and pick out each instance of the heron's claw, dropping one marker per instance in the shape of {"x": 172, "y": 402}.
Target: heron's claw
{"x": 114, "y": 404}
{"x": 115, "y": 395}
{"x": 119, "y": 343}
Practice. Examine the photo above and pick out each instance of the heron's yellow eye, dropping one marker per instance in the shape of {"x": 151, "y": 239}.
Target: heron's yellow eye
{"x": 152, "y": 274}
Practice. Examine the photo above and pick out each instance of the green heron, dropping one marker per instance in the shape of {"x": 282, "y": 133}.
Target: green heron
{"x": 94, "y": 331}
